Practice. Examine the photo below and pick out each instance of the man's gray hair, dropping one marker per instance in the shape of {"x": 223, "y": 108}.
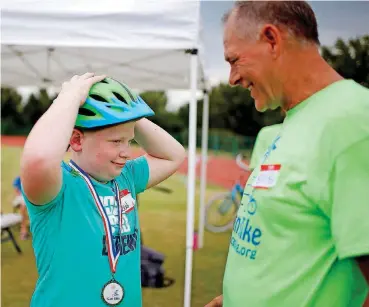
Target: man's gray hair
{"x": 297, "y": 17}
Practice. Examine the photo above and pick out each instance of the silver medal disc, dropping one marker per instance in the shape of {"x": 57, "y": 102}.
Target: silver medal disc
{"x": 112, "y": 293}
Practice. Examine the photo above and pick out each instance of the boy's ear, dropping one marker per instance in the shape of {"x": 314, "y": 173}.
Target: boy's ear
{"x": 76, "y": 140}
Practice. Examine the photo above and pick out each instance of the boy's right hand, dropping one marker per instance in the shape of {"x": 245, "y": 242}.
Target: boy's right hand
{"x": 78, "y": 87}
{"x": 44, "y": 150}
{"x": 217, "y": 302}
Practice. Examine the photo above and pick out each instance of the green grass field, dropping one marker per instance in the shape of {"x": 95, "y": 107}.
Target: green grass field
{"x": 163, "y": 221}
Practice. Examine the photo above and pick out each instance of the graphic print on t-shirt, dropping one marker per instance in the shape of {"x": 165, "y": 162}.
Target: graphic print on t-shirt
{"x": 126, "y": 238}
{"x": 247, "y": 236}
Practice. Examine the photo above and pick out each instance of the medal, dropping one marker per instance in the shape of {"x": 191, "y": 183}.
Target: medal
{"x": 112, "y": 292}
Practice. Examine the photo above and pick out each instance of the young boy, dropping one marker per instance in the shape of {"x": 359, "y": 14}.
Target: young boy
{"x": 83, "y": 215}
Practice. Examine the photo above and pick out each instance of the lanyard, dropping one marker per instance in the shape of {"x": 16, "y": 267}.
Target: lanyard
{"x": 113, "y": 250}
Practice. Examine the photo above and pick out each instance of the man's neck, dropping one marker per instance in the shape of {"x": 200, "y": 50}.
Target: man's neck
{"x": 308, "y": 74}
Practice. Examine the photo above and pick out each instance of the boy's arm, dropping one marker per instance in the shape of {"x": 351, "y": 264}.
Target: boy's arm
{"x": 46, "y": 144}
{"x": 164, "y": 153}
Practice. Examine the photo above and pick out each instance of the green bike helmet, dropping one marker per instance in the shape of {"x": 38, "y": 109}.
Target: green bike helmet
{"x": 110, "y": 102}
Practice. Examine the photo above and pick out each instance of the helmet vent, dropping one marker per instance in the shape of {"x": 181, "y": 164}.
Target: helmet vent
{"x": 120, "y": 97}
{"x": 104, "y": 81}
{"x": 127, "y": 90}
{"x": 98, "y": 98}
{"x": 86, "y": 112}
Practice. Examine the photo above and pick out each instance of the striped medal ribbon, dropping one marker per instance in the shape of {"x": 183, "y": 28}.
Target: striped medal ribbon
{"x": 113, "y": 250}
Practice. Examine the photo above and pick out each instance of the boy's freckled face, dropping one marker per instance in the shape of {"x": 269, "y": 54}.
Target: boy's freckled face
{"x": 106, "y": 151}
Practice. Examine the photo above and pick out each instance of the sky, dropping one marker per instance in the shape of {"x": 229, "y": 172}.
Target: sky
{"x": 345, "y": 19}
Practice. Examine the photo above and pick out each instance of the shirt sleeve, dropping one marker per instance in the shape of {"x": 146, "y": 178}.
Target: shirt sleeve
{"x": 349, "y": 192}
{"x": 139, "y": 170}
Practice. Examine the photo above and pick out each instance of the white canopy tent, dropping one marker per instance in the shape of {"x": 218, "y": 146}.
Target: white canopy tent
{"x": 150, "y": 45}
{"x": 141, "y": 42}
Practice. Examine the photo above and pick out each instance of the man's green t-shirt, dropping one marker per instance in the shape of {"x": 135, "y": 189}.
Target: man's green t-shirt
{"x": 264, "y": 139}
{"x": 304, "y": 215}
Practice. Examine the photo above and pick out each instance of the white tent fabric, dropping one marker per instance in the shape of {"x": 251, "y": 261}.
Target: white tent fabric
{"x": 143, "y": 43}
{"x": 140, "y": 42}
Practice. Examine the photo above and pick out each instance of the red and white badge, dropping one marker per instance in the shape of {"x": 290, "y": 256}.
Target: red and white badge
{"x": 127, "y": 201}
{"x": 267, "y": 176}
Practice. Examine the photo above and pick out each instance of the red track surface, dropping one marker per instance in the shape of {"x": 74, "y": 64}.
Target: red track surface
{"x": 220, "y": 171}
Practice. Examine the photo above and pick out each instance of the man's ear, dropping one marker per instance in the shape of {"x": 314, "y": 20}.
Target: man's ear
{"x": 76, "y": 140}
{"x": 271, "y": 35}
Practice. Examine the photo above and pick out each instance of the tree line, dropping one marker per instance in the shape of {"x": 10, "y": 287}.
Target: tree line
{"x": 232, "y": 111}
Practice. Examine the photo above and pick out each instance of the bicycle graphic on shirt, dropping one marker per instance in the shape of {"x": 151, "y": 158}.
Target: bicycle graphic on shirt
{"x": 221, "y": 210}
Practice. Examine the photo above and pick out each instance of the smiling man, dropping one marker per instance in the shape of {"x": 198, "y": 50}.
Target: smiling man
{"x": 306, "y": 240}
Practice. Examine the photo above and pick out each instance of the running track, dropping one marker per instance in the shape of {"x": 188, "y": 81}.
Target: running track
{"x": 220, "y": 171}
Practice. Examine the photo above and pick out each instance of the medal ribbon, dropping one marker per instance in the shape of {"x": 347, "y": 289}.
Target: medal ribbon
{"x": 113, "y": 250}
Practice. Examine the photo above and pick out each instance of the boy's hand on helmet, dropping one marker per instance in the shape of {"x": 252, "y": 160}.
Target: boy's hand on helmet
{"x": 78, "y": 87}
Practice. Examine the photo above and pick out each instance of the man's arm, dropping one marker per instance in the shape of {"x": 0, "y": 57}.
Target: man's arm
{"x": 164, "y": 153}
{"x": 364, "y": 267}
{"x": 366, "y": 303}
{"x": 345, "y": 144}
{"x": 217, "y": 302}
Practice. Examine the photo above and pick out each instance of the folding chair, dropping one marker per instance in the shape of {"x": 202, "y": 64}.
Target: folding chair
{"x": 7, "y": 221}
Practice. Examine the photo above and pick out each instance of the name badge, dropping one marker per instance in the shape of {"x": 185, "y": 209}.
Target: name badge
{"x": 127, "y": 201}
{"x": 267, "y": 176}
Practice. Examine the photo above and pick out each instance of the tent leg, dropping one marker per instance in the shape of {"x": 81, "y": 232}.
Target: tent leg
{"x": 191, "y": 181}
{"x": 204, "y": 160}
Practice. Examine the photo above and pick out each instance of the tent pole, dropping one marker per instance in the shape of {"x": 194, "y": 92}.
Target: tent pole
{"x": 204, "y": 161}
{"x": 191, "y": 179}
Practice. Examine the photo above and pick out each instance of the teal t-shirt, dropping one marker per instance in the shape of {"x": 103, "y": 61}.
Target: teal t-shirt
{"x": 304, "y": 213}
{"x": 69, "y": 241}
